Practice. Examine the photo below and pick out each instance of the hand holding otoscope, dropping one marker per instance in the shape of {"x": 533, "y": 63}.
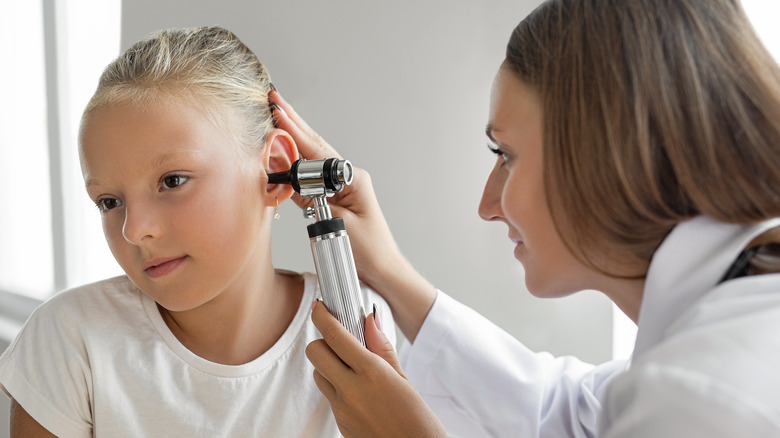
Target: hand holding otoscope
{"x": 378, "y": 260}
{"x": 361, "y": 383}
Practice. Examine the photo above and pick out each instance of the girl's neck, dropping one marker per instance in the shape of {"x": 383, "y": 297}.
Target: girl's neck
{"x": 243, "y": 321}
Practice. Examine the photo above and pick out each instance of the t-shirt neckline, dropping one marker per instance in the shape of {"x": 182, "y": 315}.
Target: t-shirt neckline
{"x": 265, "y": 360}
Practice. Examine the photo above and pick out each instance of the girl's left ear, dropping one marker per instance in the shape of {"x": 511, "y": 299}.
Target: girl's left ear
{"x": 280, "y": 153}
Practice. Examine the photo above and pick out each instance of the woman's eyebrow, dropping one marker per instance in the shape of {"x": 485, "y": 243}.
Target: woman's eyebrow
{"x": 489, "y": 129}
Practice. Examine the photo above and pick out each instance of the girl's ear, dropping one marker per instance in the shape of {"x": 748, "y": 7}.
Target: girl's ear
{"x": 280, "y": 153}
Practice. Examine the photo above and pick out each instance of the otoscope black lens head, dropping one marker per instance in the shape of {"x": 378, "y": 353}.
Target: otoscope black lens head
{"x": 330, "y": 174}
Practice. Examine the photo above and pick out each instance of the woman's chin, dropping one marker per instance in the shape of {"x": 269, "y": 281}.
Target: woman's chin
{"x": 547, "y": 289}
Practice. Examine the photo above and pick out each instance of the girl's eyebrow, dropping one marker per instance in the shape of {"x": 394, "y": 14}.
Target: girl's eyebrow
{"x": 92, "y": 182}
{"x": 157, "y": 162}
{"x": 163, "y": 159}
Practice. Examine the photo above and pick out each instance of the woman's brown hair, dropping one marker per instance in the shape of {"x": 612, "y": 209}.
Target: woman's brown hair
{"x": 655, "y": 111}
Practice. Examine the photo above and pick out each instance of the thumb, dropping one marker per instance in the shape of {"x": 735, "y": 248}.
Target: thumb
{"x": 377, "y": 342}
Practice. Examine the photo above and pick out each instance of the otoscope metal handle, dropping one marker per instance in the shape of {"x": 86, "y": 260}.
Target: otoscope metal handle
{"x": 337, "y": 275}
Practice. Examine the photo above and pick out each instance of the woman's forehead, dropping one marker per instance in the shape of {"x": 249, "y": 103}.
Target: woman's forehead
{"x": 512, "y": 101}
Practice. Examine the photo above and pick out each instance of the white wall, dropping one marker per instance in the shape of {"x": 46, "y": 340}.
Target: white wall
{"x": 5, "y": 406}
{"x": 401, "y": 88}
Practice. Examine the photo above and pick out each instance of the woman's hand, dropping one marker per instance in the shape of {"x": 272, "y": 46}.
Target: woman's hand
{"x": 372, "y": 242}
{"x": 378, "y": 260}
{"x": 367, "y": 389}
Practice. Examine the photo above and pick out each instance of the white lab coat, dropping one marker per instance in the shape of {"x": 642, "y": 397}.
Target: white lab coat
{"x": 706, "y": 361}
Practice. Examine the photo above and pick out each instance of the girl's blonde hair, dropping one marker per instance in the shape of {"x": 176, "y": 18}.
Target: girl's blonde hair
{"x": 205, "y": 66}
{"x": 655, "y": 111}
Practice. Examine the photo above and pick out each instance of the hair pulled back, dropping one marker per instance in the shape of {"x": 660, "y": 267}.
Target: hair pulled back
{"x": 206, "y": 66}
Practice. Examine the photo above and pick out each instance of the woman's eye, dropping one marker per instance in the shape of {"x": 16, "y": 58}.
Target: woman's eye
{"x": 498, "y": 151}
{"x": 169, "y": 182}
{"x": 107, "y": 204}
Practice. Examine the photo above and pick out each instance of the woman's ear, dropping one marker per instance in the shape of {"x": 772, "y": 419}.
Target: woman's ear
{"x": 280, "y": 153}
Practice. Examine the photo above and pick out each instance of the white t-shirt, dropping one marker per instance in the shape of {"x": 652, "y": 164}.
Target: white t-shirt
{"x": 99, "y": 360}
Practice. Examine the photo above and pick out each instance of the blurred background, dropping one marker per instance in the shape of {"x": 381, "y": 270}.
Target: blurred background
{"x": 400, "y": 88}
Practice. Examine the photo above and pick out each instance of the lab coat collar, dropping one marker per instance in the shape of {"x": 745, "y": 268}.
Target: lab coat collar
{"x": 687, "y": 265}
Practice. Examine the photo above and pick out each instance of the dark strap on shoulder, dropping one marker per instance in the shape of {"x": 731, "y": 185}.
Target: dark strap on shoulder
{"x": 741, "y": 265}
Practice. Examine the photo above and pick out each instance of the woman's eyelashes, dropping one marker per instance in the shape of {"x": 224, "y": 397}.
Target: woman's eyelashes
{"x": 498, "y": 151}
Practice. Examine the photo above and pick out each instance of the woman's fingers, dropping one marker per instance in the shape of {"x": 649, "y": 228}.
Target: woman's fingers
{"x": 371, "y": 398}
{"x": 310, "y": 144}
{"x": 290, "y": 112}
{"x": 341, "y": 342}
{"x": 377, "y": 343}
{"x": 327, "y": 363}
{"x": 324, "y": 385}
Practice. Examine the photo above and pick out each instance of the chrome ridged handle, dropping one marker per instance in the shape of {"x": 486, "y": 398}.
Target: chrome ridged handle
{"x": 338, "y": 280}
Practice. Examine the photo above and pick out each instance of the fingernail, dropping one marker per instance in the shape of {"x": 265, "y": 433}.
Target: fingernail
{"x": 275, "y": 106}
{"x": 272, "y": 86}
{"x": 314, "y": 304}
{"x": 377, "y": 319}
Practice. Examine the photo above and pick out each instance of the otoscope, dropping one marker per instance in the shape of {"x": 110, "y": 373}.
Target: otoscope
{"x": 319, "y": 180}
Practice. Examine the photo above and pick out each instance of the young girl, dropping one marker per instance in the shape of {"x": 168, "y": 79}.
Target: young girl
{"x": 202, "y": 337}
{"x": 638, "y": 154}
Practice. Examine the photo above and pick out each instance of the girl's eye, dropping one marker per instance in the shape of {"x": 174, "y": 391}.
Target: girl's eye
{"x": 169, "y": 182}
{"x": 107, "y": 204}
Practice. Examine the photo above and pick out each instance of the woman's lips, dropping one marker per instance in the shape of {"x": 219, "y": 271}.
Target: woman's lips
{"x": 160, "y": 269}
{"x": 518, "y": 247}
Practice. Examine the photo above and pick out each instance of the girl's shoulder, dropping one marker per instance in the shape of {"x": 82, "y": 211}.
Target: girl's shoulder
{"x": 48, "y": 368}
{"x": 109, "y": 302}
{"x": 101, "y": 295}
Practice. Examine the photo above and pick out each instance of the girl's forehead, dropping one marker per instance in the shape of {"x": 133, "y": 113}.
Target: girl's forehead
{"x": 160, "y": 113}
{"x": 171, "y": 97}
{"x": 156, "y": 120}
{"x": 131, "y": 133}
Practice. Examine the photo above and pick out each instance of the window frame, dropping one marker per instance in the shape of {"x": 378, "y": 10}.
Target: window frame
{"x": 66, "y": 207}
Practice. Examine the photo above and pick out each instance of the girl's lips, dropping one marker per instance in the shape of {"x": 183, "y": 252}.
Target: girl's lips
{"x": 164, "y": 268}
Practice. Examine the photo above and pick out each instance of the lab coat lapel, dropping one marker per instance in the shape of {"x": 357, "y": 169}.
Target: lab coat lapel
{"x": 689, "y": 262}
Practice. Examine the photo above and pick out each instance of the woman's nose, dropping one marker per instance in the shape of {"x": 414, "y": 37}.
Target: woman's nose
{"x": 141, "y": 223}
{"x": 490, "y": 205}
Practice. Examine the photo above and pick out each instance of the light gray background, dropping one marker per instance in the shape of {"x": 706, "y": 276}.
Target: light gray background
{"x": 401, "y": 88}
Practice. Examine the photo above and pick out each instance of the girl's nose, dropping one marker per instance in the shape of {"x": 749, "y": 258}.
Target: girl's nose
{"x": 490, "y": 205}
{"x": 141, "y": 223}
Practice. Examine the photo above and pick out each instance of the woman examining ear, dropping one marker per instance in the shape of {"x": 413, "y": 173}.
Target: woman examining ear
{"x": 637, "y": 152}
{"x": 202, "y": 337}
